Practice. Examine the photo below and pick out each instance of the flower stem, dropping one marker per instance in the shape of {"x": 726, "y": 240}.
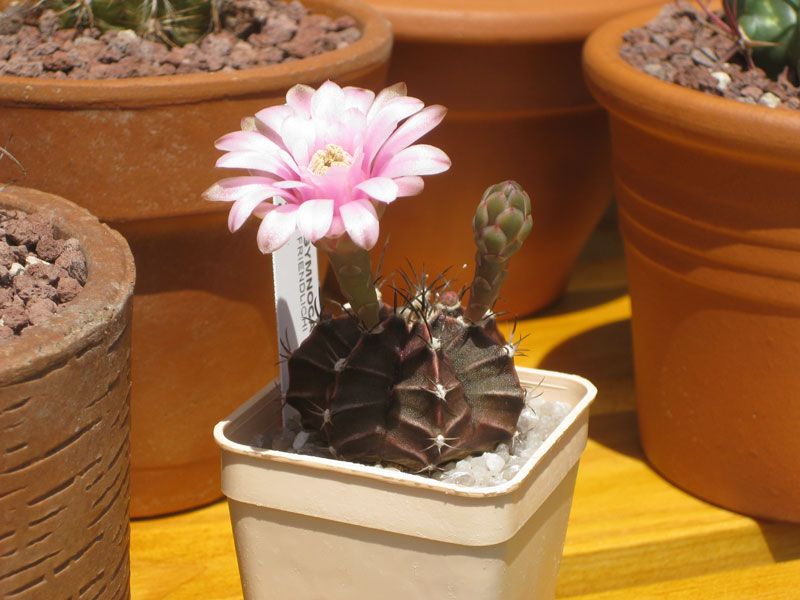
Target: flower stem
{"x": 490, "y": 272}
{"x": 353, "y": 271}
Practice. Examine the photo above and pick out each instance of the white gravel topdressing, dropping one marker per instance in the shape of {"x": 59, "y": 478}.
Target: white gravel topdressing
{"x": 537, "y": 421}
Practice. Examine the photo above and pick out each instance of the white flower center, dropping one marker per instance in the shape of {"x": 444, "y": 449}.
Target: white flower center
{"x": 331, "y": 156}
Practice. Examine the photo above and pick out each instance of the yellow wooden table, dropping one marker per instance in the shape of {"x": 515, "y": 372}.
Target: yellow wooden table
{"x": 632, "y": 535}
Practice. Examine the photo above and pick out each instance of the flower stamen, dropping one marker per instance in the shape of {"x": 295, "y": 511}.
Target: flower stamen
{"x": 331, "y": 156}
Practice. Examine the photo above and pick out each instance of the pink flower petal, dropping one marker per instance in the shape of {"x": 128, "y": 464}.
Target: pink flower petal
{"x": 356, "y": 97}
{"x": 327, "y": 104}
{"x": 292, "y": 185}
{"x": 360, "y": 222}
{"x": 233, "y": 189}
{"x": 421, "y": 159}
{"x": 277, "y": 227}
{"x": 409, "y": 186}
{"x": 314, "y": 218}
{"x": 241, "y": 211}
{"x": 269, "y": 121}
{"x": 299, "y": 136}
{"x": 299, "y": 99}
{"x": 381, "y": 126}
{"x": 409, "y": 132}
{"x": 256, "y": 161}
{"x": 246, "y": 141}
{"x": 384, "y": 96}
{"x": 382, "y": 189}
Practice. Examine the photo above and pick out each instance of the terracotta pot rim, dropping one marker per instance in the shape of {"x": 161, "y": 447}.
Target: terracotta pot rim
{"x": 83, "y": 322}
{"x": 372, "y": 48}
{"x": 499, "y": 21}
{"x": 649, "y": 103}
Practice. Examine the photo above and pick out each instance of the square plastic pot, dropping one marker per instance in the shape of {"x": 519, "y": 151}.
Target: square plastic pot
{"x": 316, "y": 528}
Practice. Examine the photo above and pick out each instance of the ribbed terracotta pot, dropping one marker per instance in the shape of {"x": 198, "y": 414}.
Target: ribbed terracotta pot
{"x": 708, "y": 196}
{"x": 509, "y": 72}
{"x": 138, "y": 153}
{"x": 64, "y": 426}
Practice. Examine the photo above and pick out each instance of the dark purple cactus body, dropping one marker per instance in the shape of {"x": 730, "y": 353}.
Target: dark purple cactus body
{"x": 411, "y": 392}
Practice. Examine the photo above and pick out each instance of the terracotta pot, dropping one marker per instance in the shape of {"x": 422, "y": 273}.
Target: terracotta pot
{"x": 309, "y": 527}
{"x": 138, "y": 153}
{"x": 707, "y": 189}
{"x": 64, "y": 418}
{"x": 509, "y": 73}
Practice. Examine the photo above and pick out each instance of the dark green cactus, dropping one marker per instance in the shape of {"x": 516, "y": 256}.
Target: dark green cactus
{"x": 425, "y": 384}
{"x": 775, "y": 23}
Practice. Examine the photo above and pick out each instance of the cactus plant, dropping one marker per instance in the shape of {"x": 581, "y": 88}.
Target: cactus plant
{"x": 767, "y": 32}
{"x": 174, "y": 21}
{"x": 423, "y": 381}
{"x": 430, "y": 383}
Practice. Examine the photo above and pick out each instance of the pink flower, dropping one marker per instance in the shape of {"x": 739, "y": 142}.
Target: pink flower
{"x": 336, "y": 156}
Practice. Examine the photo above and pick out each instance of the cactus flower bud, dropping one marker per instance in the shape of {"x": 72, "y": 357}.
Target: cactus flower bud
{"x": 502, "y": 222}
{"x": 503, "y": 219}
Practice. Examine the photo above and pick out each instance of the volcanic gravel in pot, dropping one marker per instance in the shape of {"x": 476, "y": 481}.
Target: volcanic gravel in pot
{"x": 254, "y": 33}
{"x": 681, "y": 46}
{"x": 39, "y": 273}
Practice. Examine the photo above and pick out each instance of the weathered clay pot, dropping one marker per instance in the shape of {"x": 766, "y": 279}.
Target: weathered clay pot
{"x": 509, "y": 73}
{"x": 707, "y": 189}
{"x": 138, "y": 153}
{"x": 64, "y": 423}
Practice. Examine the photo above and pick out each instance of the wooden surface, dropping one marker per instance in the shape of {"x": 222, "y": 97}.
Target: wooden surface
{"x": 632, "y": 535}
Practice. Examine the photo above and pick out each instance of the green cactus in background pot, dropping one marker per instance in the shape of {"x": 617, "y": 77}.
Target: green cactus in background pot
{"x": 177, "y": 22}
{"x": 774, "y": 29}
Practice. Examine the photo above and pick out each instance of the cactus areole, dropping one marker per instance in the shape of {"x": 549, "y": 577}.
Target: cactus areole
{"x": 423, "y": 381}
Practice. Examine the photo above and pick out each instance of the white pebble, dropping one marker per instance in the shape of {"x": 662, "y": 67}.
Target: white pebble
{"x": 527, "y": 419}
{"x": 494, "y": 462}
{"x": 300, "y": 440}
{"x": 15, "y": 268}
{"x": 32, "y": 260}
{"x": 769, "y": 99}
{"x": 510, "y": 471}
{"x": 723, "y": 79}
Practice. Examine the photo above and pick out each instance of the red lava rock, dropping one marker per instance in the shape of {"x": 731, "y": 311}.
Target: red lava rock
{"x": 38, "y": 288}
{"x": 48, "y": 248}
{"x": 7, "y": 256}
{"x": 691, "y": 50}
{"x": 58, "y": 61}
{"x": 67, "y": 289}
{"x": 21, "y": 66}
{"x": 274, "y": 32}
{"x": 74, "y": 263}
{"x": 45, "y": 49}
{"x": 48, "y": 273}
{"x": 219, "y": 44}
{"x": 29, "y": 288}
{"x": 751, "y": 91}
{"x": 48, "y": 22}
{"x": 40, "y": 310}
{"x": 28, "y": 230}
{"x": 14, "y": 317}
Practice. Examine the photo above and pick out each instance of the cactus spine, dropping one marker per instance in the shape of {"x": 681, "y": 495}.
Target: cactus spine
{"x": 422, "y": 385}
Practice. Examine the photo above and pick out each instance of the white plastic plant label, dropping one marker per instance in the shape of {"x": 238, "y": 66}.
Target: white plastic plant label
{"x": 296, "y": 277}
